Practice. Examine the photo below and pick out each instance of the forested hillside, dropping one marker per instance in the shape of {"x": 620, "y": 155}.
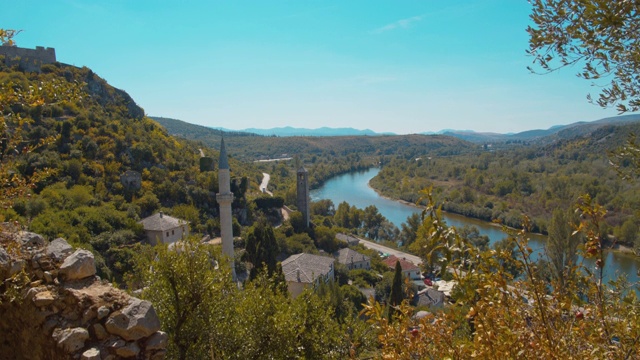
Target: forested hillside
{"x": 532, "y": 180}
{"x": 95, "y": 136}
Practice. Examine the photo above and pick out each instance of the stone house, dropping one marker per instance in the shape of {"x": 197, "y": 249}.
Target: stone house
{"x": 408, "y": 268}
{"x": 161, "y": 228}
{"x": 303, "y": 270}
{"x": 353, "y": 259}
{"x": 350, "y": 240}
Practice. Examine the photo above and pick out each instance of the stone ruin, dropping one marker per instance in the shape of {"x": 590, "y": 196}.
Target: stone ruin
{"x": 53, "y": 306}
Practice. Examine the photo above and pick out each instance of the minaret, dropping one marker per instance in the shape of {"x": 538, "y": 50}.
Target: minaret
{"x": 303, "y": 195}
{"x": 225, "y": 198}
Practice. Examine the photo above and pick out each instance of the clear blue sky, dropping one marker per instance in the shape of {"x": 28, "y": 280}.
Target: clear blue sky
{"x": 398, "y": 66}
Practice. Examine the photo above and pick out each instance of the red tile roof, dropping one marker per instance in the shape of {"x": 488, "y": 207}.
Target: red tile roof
{"x": 404, "y": 264}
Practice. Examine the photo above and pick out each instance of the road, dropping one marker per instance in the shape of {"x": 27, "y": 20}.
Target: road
{"x": 265, "y": 182}
{"x": 381, "y": 248}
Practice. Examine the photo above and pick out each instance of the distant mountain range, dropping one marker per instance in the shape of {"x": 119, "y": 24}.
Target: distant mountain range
{"x": 323, "y": 131}
{"x": 551, "y": 134}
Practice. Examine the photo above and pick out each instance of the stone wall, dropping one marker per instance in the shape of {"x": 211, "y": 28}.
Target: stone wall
{"x": 28, "y": 59}
{"x": 55, "y": 307}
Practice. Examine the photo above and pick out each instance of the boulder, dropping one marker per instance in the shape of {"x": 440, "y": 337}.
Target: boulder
{"x": 103, "y": 312}
{"x": 58, "y": 249}
{"x": 136, "y": 321}
{"x": 91, "y": 354}
{"x": 131, "y": 349}
{"x": 71, "y": 340}
{"x": 43, "y": 298}
{"x": 79, "y": 265}
{"x": 157, "y": 341}
{"x": 100, "y": 332}
{"x": 29, "y": 239}
{"x": 5, "y": 262}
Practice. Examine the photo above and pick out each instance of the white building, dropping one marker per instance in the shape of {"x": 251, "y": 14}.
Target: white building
{"x": 161, "y": 228}
{"x": 353, "y": 259}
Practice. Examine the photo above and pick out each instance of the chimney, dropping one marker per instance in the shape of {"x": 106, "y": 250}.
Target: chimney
{"x": 161, "y": 214}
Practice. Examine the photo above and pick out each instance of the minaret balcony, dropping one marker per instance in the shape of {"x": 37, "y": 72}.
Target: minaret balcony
{"x": 228, "y": 197}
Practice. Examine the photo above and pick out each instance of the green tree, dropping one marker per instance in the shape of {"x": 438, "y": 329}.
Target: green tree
{"x": 599, "y": 36}
{"x": 261, "y": 248}
{"x": 186, "y": 289}
{"x": 562, "y": 247}
{"x": 396, "y": 296}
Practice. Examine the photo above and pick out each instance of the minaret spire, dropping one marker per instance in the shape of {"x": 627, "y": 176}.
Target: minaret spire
{"x": 225, "y": 198}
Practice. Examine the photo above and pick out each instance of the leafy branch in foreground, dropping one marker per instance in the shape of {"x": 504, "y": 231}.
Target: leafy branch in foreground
{"x": 498, "y": 316}
{"x": 600, "y": 36}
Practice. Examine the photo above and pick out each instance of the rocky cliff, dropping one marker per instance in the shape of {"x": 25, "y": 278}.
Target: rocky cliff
{"x": 55, "y": 307}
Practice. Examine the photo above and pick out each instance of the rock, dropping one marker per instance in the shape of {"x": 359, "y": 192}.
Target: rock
{"x": 29, "y": 239}
{"x": 100, "y": 331}
{"x": 115, "y": 343}
{"x": 59, "y": 249}
{"x": 71, "y": 340}
{"x": 130, "y": 350}
{"x": 17, "y": 266}
{"x": 91, "y": 354}
{"x": 43, "y": 298}
{"x": 157, "y": 341}
{"x": 135, "y": 321}
{"x": 5, "y": 262}
{"x": 103, "y": 312}
{"x": 78, "y": 265}
{"x": 48, "y": 278}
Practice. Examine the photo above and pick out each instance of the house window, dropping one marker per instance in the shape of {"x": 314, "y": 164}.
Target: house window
{"x": 172, "y": 232}
{"x": 167, "y": 234}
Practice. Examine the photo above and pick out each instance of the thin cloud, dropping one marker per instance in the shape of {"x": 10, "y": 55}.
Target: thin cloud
{"x": 400, "y": 24}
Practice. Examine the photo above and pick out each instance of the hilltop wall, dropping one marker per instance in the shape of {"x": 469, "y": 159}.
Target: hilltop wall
{"x": 28, "y": 59}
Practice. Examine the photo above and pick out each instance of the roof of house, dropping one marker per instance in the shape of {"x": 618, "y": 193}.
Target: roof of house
{"x": 347, "y": 256}
{"x": 306, "y": 268}
{"x": 430, "y": 297}
{"x": 161, "y": 222}
{"x": 347, "y": 238}
{"x": 404, "y": 264}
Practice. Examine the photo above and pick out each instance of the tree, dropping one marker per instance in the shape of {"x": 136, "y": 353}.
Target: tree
{"x": 562, "y": 247}
{"x": 185, "y": 288}
{"x": 261, "y": 248}
{"x": 395, "y": 298}
{"x": 599, "y": 36}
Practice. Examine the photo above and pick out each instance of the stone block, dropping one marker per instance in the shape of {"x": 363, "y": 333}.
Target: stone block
{"x": 71, "y": 340}
{"x": 135, "y": 321}
{"x": 91, "y": 354}
{"x": 43, "y": 298}
{"x": 79, "y": 265}
{"x": 59, "y": 249}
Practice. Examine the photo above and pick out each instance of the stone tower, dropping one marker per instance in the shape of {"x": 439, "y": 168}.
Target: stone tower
{"x": 303, "y": 194}
{"x": 225, "y": 198}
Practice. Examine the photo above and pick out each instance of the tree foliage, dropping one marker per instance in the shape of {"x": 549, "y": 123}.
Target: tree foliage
{"x": 599, "y": 36}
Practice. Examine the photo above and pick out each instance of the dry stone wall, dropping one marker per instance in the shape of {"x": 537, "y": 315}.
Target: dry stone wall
{"x": 55, "y": 307}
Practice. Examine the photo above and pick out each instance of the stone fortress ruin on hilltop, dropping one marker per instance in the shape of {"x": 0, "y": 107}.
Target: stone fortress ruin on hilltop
{"x": 28, "y": 59}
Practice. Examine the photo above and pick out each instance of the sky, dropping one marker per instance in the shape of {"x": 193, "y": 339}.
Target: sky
{"x": 389, "y": 66}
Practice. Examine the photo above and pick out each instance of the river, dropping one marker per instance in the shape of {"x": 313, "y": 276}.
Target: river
{"x": 354, "y": 189}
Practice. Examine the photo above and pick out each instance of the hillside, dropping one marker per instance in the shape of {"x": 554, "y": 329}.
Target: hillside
{"x": 546, "y": 136}
{"x": 251, "y": 148}
{"x": 533, "y": 179}
{"x": 77, "y": 137}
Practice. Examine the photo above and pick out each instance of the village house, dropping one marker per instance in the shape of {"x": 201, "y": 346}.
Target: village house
{"x": 353, "y": 259}
{"x": 350, "y": 240}
{"x": 303, "y": 270}
{"x": 161, "y": 228}
{"x": 408, "y": 268}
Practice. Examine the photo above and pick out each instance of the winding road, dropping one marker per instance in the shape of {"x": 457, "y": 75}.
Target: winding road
{"x": 265, "y": 182}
